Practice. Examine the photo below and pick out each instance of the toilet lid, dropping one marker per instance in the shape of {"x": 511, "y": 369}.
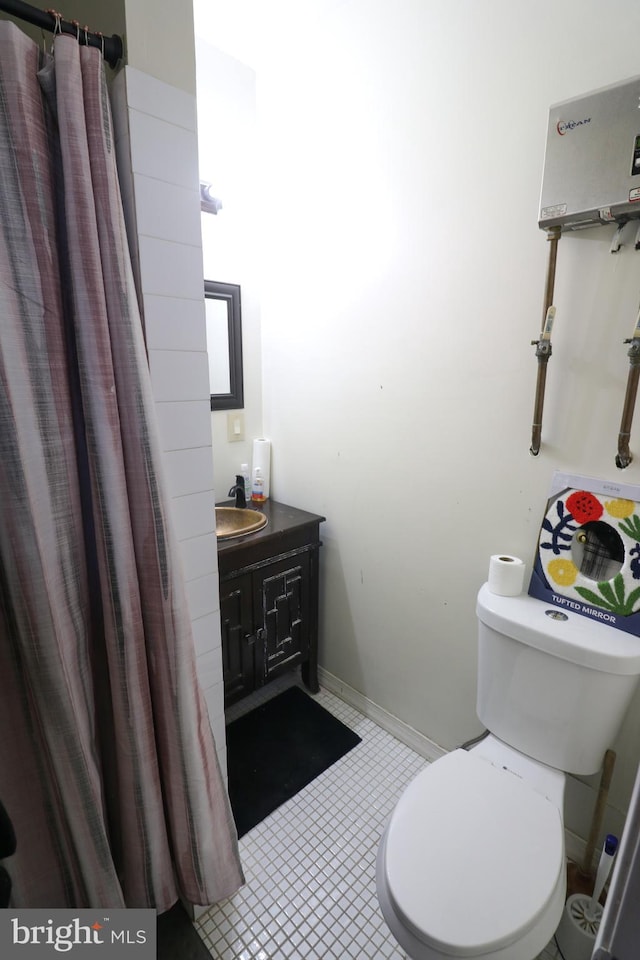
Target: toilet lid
{"x": 473, "y": 855}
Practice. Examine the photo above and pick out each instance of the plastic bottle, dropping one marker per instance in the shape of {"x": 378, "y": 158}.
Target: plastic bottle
{"x": 257, "y": 493}
{"x": 244, "y": 470}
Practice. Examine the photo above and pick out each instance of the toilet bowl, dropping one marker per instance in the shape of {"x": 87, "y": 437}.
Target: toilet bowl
{"x": 472, "y": 861}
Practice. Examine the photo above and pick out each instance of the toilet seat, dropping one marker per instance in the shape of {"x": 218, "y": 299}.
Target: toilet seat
{"x": 473, "y": 857}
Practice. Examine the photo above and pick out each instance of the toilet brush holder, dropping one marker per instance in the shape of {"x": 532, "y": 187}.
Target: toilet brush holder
{"x": 576, "y": 934}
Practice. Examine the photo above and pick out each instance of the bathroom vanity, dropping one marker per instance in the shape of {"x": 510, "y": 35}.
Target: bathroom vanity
{"x": 269, "y": 600}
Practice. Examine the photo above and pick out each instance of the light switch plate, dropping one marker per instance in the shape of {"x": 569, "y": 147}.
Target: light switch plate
{"x": 235, "y": 426}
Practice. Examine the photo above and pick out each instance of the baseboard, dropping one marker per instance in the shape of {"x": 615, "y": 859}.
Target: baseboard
{"x": 574, "y": 845}
{"x": 397, "y": 728}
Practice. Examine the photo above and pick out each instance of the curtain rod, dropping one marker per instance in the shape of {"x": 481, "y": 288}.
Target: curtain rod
{"x": 112, "y": 46}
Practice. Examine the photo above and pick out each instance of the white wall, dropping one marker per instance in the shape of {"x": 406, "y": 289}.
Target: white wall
{"x": 228, "y": 159}
{"x": 159, "y": 40}
{"x": 403, "y": 283}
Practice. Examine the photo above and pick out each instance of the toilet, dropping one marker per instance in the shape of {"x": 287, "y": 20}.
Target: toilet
{"x": 472, "y": 861}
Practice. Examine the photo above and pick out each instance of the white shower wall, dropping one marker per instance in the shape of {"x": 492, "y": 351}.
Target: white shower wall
{"x": 156, "y": 136}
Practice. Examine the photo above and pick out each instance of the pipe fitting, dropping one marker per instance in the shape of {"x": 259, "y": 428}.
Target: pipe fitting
{"x": 543, "y": 349}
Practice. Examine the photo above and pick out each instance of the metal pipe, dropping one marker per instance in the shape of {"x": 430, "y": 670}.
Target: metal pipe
{"x": 112, "y": 47}
{"x": 543, "y": 345}
{"x": 538, "y": 406}
{"x": 553, "y": 236}
{"x": 624, "y": 457}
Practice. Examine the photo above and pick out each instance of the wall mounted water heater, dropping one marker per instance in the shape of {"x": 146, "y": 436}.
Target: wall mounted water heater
{"x": 592, "y": 159}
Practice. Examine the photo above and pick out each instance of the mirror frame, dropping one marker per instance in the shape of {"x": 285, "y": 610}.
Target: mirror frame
{"x": 229, "y": 293}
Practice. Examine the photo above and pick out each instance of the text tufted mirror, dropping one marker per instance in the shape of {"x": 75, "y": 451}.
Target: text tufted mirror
{"x": 224, "y": 344}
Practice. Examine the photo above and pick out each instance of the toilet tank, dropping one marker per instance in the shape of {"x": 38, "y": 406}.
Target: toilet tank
{"x": 551, "y": 683}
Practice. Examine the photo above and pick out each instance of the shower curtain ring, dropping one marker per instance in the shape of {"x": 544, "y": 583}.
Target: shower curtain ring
{"x": 57, "y": 27}
{"x": 76, "y": 24}
{"x": 86, "y": 35}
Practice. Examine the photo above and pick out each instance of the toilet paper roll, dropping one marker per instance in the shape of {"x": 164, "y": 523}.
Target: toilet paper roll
{"x": 262, "y": 461}
{"x": 506, "y": 575}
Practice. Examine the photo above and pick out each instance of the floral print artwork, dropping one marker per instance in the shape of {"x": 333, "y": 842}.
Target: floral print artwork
{"x": 566, "y": 515}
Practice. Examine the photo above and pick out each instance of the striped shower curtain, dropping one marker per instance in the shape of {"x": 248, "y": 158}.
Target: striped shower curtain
{"x": 108, "y": 768}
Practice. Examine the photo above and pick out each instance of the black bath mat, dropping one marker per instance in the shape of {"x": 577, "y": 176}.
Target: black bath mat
{"x": 276, "y": 750}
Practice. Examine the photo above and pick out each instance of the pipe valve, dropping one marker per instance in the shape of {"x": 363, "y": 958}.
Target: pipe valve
{"x": 543, "y": 352}
{"x": 543, "y": 349}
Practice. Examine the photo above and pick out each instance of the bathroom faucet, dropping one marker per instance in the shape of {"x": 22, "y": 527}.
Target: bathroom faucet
{"x": 237, "y": 490}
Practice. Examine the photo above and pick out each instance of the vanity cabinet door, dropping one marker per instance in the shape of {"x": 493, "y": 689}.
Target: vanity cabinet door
{"x": 238, "y": 638}
{"x": 282, "y": 613}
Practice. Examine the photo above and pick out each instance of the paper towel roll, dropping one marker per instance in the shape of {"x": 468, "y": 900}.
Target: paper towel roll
{"x": 506, "y": 575}
{"x": 262, "y": 462}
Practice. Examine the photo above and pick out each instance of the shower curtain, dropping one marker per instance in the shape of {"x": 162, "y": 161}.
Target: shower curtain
{"x": 108, "y": 768}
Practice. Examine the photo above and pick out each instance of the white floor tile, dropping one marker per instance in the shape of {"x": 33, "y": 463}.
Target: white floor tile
{"x": 310, "y": 891}
{"x": 310, "y": 866}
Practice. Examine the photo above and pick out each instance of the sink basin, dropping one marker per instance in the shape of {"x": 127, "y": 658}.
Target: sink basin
{"x": 236, "y": 522}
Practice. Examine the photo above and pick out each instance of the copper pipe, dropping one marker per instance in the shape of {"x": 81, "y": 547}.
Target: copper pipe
{"x": 624, "y": 458}
{"x": 538, "y": 406}
{"x": 553, "y": 236}
{"x": 543, "y": 346}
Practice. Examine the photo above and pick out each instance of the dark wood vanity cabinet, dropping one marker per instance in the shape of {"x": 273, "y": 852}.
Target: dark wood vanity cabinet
{"x": 269, "y": 601}
{"x": 238, "y": 638}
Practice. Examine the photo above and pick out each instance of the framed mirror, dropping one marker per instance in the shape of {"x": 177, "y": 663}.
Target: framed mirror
{"x": 224, "y": 344}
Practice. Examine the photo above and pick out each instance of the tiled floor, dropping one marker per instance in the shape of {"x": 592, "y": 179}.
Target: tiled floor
{"x": 310, "y": 889}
